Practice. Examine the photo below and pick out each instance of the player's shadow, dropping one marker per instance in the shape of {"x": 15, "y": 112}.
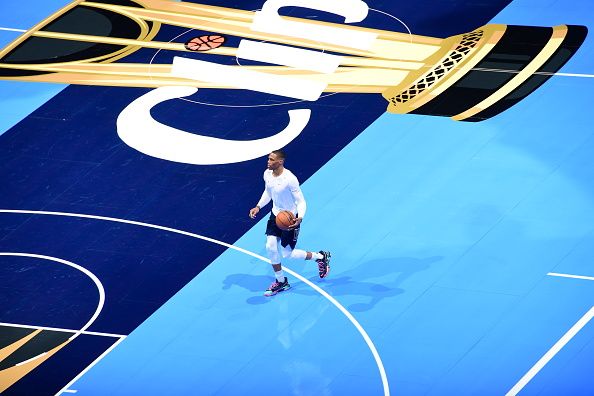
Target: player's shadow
{"x": 375, "y": 280}
{"x": 258, "y": 283}
{"x": 252, "y": 283}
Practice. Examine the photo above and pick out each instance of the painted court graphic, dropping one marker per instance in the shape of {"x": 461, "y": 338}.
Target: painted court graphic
{"x": 417, "y": 74}
{"x": 443, "y": 148}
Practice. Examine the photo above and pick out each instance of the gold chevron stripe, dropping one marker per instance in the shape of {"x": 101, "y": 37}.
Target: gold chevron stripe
{"x": 8, "y": 350}
{"x": 13, "y": 374}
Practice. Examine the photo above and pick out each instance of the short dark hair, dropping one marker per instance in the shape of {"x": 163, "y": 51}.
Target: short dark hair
{"x": 279, "y": 153}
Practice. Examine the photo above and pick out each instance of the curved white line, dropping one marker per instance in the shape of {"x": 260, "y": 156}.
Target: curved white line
{"x": 374, "y": 352}
{"x": 392, "y": 16}
{"x": 150, "y": 64}
{"x": 342, "y": 309}
{"x": 258, "y": 105}
{"x": 81, "y": 269}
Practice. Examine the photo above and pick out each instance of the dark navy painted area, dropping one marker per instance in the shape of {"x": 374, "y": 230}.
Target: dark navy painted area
{"x": 137, "y": 266}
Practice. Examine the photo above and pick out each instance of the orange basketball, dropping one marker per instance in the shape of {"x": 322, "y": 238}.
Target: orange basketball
{"x": 284, "y": 220}
{"x": 204, "y": 43}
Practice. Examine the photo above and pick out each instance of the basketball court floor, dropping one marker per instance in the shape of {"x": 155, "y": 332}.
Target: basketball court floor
{"x": 462, "y": 252}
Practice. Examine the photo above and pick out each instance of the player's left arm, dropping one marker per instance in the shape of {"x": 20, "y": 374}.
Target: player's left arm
{"x": 299, "y": 202}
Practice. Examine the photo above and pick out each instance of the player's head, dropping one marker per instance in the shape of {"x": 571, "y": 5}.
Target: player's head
{"x": 276, "y": 159}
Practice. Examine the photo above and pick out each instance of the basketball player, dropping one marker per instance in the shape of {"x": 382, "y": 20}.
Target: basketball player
{"x": 282, "y": 187}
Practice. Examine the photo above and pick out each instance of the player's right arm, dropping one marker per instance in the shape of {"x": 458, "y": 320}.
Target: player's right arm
{"x": 264, "y": 199}
{"x": 261, "y": 203}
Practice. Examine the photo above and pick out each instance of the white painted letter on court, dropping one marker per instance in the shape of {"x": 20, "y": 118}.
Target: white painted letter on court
{"x": 137, "y": 128}
{"x": 269, "y": 21}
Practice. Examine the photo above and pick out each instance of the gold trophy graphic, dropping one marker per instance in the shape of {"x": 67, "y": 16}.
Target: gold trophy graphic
{"x": 470, "y": 77}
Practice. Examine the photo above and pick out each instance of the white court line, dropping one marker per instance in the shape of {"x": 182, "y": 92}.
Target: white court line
{"x": 551, "y": 353}
{"x": 65, "y": 389}
{"x": 81, "y": 269}
{"x": 571, "y": 276}
{"x": 342, "y": 309}
{"x": 13, "y": 30}
{"x": 397, "y": 19}
{"x": 582, "y": 75}
{"x": 30, "y": 360}
{"x": 60, "y": 329}
{"x": 572, "y": 75}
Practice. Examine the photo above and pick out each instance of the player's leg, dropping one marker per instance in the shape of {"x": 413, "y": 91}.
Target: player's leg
{"x": 274, "y": 256}
{"x": 288, "y": 243}
{"x": 272, "y": 238}
{"x": 323, "y": 263}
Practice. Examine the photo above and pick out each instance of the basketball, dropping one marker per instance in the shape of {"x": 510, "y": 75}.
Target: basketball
{"x": 284, "y": 220}
{"x": 204, "y": 43}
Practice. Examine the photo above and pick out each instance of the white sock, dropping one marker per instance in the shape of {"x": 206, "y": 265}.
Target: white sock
{"x": 280, "y": 276}
{"x": 316, "y": 256}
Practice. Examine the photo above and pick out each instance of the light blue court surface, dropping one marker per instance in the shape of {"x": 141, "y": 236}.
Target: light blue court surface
{"x": 19, "y": 99}
{"x": 442, "y": 236}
